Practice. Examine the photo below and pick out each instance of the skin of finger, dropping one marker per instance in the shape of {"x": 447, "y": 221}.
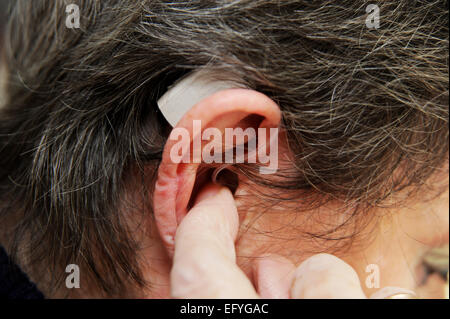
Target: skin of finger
{"x": 324, "y": 276}
{"x": 204, "y": 260}
{"x": 273, "y": 275}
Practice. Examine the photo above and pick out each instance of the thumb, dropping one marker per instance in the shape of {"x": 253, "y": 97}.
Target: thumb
{"x": 325, "y": 276}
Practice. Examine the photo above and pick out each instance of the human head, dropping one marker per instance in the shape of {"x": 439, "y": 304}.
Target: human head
{"x": 364, "y": 111}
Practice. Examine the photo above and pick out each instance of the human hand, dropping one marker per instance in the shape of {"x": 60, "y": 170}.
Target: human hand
{"x": 204, "y": 264}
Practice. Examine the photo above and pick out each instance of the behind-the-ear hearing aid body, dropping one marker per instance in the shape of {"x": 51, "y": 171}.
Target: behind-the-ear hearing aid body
{"x": 187, "y": 92}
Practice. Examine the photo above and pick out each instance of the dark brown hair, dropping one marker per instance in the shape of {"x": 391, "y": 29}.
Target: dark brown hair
{"x": 358, "y": 104}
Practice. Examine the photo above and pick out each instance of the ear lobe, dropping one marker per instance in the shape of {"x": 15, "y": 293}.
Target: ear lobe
{"x": 175, "y": 181}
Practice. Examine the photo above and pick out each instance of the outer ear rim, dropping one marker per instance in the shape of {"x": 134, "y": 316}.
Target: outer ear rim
{"x": 169, "y": 182}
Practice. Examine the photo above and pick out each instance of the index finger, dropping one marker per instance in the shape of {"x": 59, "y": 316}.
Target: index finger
{"x": 204, "y": 264}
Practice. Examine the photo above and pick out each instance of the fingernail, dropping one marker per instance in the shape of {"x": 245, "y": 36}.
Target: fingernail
{"x": 393, "y": 293}
{"x": 209, "y": 191}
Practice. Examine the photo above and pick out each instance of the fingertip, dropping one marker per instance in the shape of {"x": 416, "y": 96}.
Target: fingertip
{"x": 273, "y": 275}
{"x": 209, "y": 191}
{"x": 324, "y": 276}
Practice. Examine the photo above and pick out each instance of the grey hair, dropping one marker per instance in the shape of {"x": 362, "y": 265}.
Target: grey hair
{"x": 365, "y": 111}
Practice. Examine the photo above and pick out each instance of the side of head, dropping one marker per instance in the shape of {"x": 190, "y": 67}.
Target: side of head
{"x": 364, "y": 116}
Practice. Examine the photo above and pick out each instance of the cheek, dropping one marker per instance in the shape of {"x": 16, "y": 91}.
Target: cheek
{"x": 440, "y": 234}
{"x": 428, "y": 222}
{"x": 439, "y": 224}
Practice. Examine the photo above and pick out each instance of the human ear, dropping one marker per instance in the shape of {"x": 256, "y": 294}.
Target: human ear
{"x": 212, "y": 116}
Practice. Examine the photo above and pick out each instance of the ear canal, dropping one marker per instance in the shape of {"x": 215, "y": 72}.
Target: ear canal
{"x": 223, "y": 176}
